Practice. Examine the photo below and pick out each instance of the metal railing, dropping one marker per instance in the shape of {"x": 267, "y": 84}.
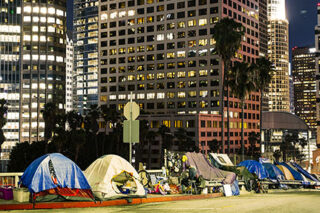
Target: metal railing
{"x": 10, "y": 178}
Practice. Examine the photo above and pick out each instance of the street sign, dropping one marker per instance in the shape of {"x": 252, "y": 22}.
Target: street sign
{"x": 131, "y": 107}
{"x": 134, "y": 132}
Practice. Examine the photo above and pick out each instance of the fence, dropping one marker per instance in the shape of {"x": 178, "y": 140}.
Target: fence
{"x": 10, "y": 179}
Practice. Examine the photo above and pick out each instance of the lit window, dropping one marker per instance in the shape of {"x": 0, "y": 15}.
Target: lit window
{"x": 27, "y": 18}
{"x": 27, "y": 9}
{"x": 43, "y": 10}
{"x": 35, "y": 19}
{"x": 160, "y": 37}
{"x": 150, "y": 95}
{"x": 131, "y": 12}
{"x": 51, "y": 20}
{"x": 35, "y": 57}
{"x": 51, "y": 10}
{"x": 26, "y": 57}
{"x": 59, "y": 12}
{"x": 202, "y": 22}
{"x": 104, "y": 16}
{"x": 35, "y": 9}
{"x": 26, "y": 37}
{"x": 35, "y": 28}
{"x": 113, "y": 15}
{"x": 51, "y": 29}
{"x": 122, "y": 14}
{"x": 160, "y": 95}
{"x": 35, "y": 38}
{"x": 170, "y": 36}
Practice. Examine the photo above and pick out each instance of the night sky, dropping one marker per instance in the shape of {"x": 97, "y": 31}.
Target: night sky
{"x": 302, "y": 15}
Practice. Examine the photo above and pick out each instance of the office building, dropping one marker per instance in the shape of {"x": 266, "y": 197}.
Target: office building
{"x": 32, "y": 58}
{"x": 69, "y": 74}
{"x": 163, "y": 52}
{"x": 85, "y": 37}
{"x": 317, "y": 64}
{"x": 278, "y": 54}
{"x": 304, "y": 81}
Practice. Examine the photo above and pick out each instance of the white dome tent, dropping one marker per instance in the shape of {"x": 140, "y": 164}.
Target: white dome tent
{"x": 112, "y": 177}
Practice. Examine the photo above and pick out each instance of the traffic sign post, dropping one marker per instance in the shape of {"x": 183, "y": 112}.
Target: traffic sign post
{"x": 131, "y": 125}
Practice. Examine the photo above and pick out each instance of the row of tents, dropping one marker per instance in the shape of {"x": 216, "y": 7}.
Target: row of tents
{"x": 279, "y": 172}
{"x": 254, "y": 175}
{"x": 54, "y": 177}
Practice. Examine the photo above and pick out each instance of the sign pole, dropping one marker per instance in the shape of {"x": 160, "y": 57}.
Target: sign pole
{"x": 130, "y": 131}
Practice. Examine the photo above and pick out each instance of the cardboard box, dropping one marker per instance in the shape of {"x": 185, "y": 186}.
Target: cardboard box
{"x": 6, "y": 193}
{"x": 21, "y": 195}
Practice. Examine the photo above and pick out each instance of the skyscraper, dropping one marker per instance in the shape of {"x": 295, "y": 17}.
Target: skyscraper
{"x": 304, "y": 81}
{"x": 278, "y": 53}
{"x": 317, "y": 64}
{"x": 164, "y": 53}
{"x": 32, "y": 58}
{"x": 85, "y": 37}
{"x": 69, "y": 74}
{"x": 10, "y": 64}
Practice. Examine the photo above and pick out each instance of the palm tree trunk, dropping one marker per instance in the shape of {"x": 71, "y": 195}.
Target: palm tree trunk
{"x": 242, "y": 130}
{"x": 228, "y": 120}
{"x": 261, "y": 102}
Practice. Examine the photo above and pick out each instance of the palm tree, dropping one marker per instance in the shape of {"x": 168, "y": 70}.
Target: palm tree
{"x": 227, "y": 34}
{"x": 253, "y": 140}
{"x": 49, "y": 113}
{"x": 242, "y": 84}
{"x": 91, "y": 124}
{"x": 60, "y": 135}
{"x": 184, "y": 141}
{"x": 151, "y": 136}
{"x": 166, "y": 139}
{"x": 111, "y": 116}
{"x": 77, "y": 134}
{"x": 3, "y": 119}
{"x": 265, "y": 71}
{"x": 214, "y": 145}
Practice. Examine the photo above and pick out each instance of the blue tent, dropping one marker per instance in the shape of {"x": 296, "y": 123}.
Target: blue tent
{"x": 304, "y": 172}
{"x": 51, "y": 171}
{"x": 255, "y": 167}
{"x": 274, "y": 173}
{"x": 295, "y": 174}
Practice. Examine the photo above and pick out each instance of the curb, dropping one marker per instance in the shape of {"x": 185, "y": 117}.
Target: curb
{"x": 133, "y": 201}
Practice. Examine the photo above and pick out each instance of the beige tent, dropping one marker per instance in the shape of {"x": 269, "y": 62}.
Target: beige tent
{"x": 286, "y": 172}
{"x": 112, "y": 177}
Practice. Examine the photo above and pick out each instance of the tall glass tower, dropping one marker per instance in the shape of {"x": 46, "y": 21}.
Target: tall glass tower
{"x": 278, "y": 53}
{"x": 32, "y": 65}
{"x": 85, "y": 37}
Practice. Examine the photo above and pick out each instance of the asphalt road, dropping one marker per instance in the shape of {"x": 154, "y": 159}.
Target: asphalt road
{"x": 300, "y": 202}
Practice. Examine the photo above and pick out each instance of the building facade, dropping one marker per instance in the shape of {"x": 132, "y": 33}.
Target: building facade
{"x": 278, "y": 54}
{"x": 317, "y": 64}
{"x": 85, "y": 37}
{"x": 69, "y": 74}
{"x": 304, "y": 81}
{"x": 10, "y": 64}
{"x": 164, "y": 53}
{"x": 32, "y": 58}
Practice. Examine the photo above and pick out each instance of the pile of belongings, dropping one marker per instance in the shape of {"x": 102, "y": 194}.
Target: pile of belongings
{"x": 54, "y": 177}
{"x": 199, "y": 170}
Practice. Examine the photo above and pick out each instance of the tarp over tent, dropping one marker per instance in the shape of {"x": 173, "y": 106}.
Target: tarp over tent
{"x": 206, "y": 170}
{"x": 295, "y": 174}
{"x": 56, "y": 176}
{"x": 220, "y": 160}
{"x": 304, "y": 172}
{"x": 274, "y": 173}
{"x": 286, "y": 172}
{"x": 113, "y": 177}
{"x": 255, "y": 167}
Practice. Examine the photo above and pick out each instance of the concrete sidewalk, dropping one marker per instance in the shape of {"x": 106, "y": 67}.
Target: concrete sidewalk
{"x": 12, "y": 205}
